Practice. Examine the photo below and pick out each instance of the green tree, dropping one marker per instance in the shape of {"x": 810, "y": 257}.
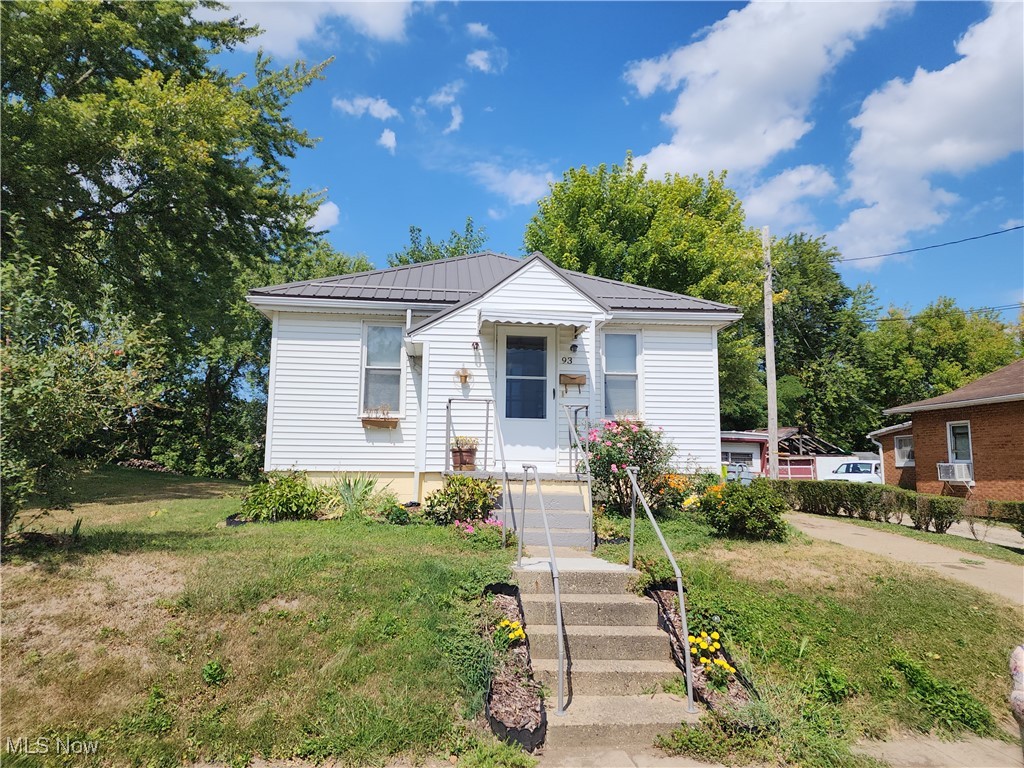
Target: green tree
{"x": 131, "y": 161}
{"x": 819, "y": 323}
{"x": 470, "y": 240}
{"x": 685, "y": 234}
{"x": 65, "y": 377}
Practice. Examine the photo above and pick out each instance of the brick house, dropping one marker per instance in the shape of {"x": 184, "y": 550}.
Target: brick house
{"x": 967, "y": 440}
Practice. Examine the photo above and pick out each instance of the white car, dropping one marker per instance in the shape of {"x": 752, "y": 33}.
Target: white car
{"x": 857, "y": 472}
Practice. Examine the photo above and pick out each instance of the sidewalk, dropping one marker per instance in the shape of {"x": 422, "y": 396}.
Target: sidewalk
{"x": 997, "y": 578}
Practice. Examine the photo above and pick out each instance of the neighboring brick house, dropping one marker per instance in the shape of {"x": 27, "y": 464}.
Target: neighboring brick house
{"x": 979, "y": 426}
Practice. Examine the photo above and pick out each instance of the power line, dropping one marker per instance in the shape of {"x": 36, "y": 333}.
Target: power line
{"x": 1000, "y": 308}
{"x": 937, "y": 245}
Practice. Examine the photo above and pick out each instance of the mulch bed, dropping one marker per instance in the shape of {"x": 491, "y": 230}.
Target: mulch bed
{"x": 148, "y": 464}
{"x": 740, "y": 691}
{"x": 515, "y": 709}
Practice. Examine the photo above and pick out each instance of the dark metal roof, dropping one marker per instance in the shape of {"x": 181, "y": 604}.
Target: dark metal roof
{"x": 1005, "y": 384}
{"x": 451, "y": 281}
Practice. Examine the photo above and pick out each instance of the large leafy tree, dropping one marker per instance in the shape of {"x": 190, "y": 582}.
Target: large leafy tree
{"x": 147, "y": 180}
{"x": 681, "y": 233}
{"x": 469, "y": 240}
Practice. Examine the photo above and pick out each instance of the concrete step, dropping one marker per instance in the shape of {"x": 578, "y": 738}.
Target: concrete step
{"x": 556, "y": 518}
{"x": 599, "y": 642}
{"x": 614, "y": 721}
{"x": 601, "y": 677}
{"x": 607, "y": 609}
{"x": 537, "y": 581}
{"x": 560, "y": 537}
{"x": 573, "y": 501}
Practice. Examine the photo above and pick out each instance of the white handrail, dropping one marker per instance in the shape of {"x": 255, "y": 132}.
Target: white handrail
{"x": 574, "y": 435}
{"x": 637, "y": 493}
{"x": 553, "y": 565}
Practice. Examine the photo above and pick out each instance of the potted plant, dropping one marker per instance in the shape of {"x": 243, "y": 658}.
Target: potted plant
{"x": 379, "y": 417}
{"x": 464, "y": 453}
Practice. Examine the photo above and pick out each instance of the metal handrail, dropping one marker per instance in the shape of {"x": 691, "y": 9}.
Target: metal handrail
{"x": 574, "y": 435}
{"x": 553, "y": 565}
{"x": 637, "y": 493}
{"x": 506, "y": 495}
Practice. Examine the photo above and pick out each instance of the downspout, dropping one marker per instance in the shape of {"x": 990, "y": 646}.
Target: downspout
{"x": 419, "y": 421}
{"x": 881, "y": 457}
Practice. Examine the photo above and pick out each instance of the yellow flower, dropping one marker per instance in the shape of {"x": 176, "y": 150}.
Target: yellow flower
{"x": 692, "y": 639}
{"x": 693, "y": 649}
{"x": 714, "y": 635}
{"x": 704, "y": 646}
{"x": 705, "y": 660}
{"x": 715, "y": 646}
{"x": 703, "y": 634}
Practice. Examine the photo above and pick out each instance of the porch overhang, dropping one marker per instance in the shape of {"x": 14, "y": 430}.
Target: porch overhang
{"x": 576, "y": 320}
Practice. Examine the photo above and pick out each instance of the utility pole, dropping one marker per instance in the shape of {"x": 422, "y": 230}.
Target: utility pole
{"x": 769, "y": 358}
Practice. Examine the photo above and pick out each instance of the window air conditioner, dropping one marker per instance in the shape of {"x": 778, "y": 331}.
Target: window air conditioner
{"x": 956, "y": 473}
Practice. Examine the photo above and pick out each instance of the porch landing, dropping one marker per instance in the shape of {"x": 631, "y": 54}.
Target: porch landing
{"x": 545, "y": 477}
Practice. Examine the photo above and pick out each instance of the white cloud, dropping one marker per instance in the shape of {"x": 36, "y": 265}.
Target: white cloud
{"x": 496, "y": 214}
{"x": 446, "y": 94}
{"x": 388, "y": 140}
{"x": 326, "y": 216}
{"x": 952, "y": 121}
{"x": 361, "y": 105}
{"x": 777, "y": 202}
{"x": 456, "y": 122}
{"x": 491, "y": 62}
{"x": 478, "y": 30}
{"x": 286, "y": 26}
{"x": 519, "y": 186}
{"x": 748, "y": 85}
{"x": 1012, "y": 223}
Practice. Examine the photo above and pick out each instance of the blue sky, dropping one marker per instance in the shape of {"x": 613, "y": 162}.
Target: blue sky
{"x": 884, "y": 127}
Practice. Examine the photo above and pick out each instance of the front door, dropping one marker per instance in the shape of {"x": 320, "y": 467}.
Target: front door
{"x": 526, "y": 397}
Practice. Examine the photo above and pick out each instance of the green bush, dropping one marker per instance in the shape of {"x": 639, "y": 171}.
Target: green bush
{"x": 462, "y": 498}
{"x": 745, "y": 511}
{"x": 397, "y": 515}
{"x": 619, "y": 443}
{"x": 870, "y": 501}
{"x": 1011, "y": 512}
{"x": 283, "y": 496}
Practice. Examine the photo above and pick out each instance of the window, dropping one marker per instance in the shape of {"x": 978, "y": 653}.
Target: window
{"x": 905, "y": 451}
{"x": 382, "y": 369}
{"x": 526, "y": 363}
{"x": 958, "y": 438}
{"x": 735, "y": 457}
{"x": 620, "y": 376}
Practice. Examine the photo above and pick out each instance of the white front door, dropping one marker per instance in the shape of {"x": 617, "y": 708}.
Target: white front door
{"x": 526, "y": 397}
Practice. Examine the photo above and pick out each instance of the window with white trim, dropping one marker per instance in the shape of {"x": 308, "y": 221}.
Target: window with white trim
{"x": 621, "y": 397}
{"x": 382, "y": 369}
{"x": 904, "y": 451}
{"x": 958, "y": 440}
{"x": 737, "y": 457}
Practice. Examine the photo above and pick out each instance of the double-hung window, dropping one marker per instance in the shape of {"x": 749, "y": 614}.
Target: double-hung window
{"x": 904, "y": 445}
{"x": 382, "y": 369}
{"x": 620, "y": 374}
{"x": 958, "y": 437}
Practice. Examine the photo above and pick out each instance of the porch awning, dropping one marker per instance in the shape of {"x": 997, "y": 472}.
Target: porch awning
{"x": 575, "y": 320}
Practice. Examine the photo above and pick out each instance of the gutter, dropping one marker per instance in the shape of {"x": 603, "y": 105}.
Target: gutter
{"x": 955, "y": 404}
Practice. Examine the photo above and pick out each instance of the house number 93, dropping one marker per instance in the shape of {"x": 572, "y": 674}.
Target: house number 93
{"x": 567, "y": 361}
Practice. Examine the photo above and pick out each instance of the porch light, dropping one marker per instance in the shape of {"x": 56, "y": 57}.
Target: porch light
{"x": 574, "y": 348}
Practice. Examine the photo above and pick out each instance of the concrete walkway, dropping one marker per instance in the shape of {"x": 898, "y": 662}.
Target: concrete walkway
{"x": 616, "y": 758}
{"x": 930, "y": 752}
{"x": 995, "y": 577}
{"x": 1002, "y": 535}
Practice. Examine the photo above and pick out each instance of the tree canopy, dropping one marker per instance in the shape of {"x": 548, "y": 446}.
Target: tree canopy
{"x": 469, "y": 240}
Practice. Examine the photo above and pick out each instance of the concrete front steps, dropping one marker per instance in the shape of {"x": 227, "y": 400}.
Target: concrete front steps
{"x": 567, "y": 507}
{"x": 616, "y": 656}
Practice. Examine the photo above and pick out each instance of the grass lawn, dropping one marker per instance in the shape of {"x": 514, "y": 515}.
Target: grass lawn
{"x": 169, "y": 639}
{"x": 987, "y": 549}
{"x": 816, "y": 625}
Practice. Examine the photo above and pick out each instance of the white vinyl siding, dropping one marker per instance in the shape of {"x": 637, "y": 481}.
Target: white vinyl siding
{"x": 904, "y": 451}
{"x": 313, "y": 419}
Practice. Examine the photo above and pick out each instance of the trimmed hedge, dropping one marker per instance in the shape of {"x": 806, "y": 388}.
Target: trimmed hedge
{"x": 871, "y": 501}
{"x": 1010, "y": 511}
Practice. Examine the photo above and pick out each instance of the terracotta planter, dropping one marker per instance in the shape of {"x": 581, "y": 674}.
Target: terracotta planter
{"x": 464, "y": 459}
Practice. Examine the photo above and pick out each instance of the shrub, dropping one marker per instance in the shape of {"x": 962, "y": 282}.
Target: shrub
{"x": 939, "y": 512}
{"x": 866, "y": 501}
{"x": 617, "y": 444}
{"x": 396, "y": 514}
{"x": 283, "y": 496}
{"x": 462, "y": 498}
{"x": 484, "y": 534}
{"x": 1010, "y": 511}
{"x": 745, "y": 511}
{"x": 353, "y": 493}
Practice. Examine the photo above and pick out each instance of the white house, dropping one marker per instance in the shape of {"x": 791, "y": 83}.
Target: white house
{"x": 378, "y": 371}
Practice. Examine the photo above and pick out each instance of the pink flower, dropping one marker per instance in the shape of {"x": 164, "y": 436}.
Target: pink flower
{"x": 608, "y": 443}
{"x": 615, "y": 467}
{"x": 634, "y": 427}
{"x": 469, "y": 529}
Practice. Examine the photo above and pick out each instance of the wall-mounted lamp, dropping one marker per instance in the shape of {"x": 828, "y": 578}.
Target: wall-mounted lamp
{"x": 574, "y": 347}
{"x": 476, "y": 345}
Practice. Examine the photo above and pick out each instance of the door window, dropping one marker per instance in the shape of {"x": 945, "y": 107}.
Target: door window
{"x": 526, "y": 360}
